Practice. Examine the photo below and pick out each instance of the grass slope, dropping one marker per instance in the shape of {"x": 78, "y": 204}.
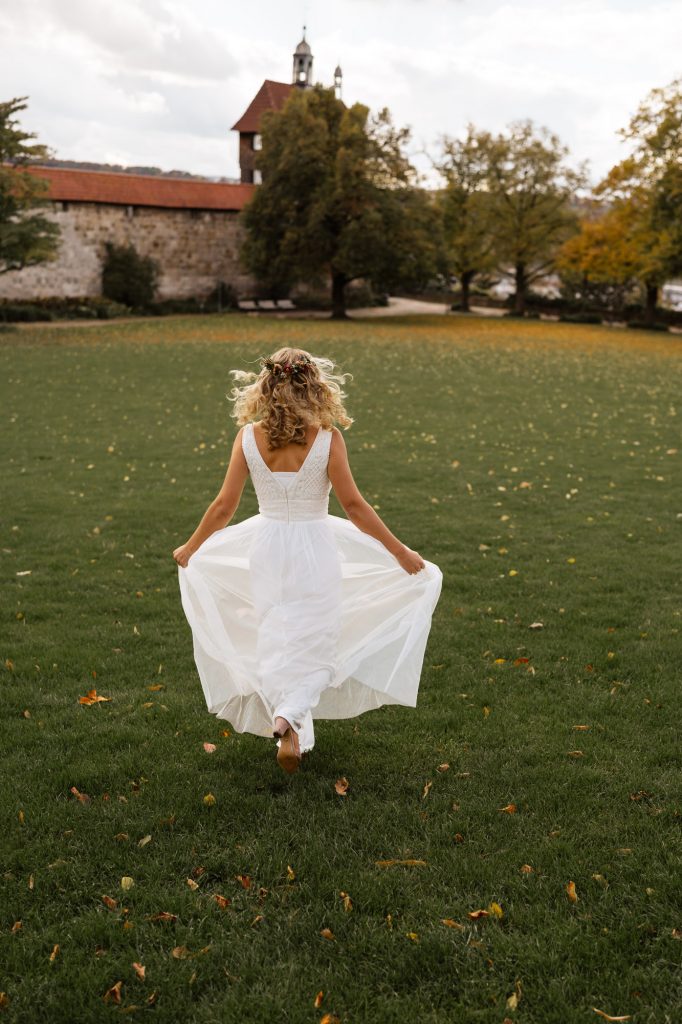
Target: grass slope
{"x": 538, "y": 465}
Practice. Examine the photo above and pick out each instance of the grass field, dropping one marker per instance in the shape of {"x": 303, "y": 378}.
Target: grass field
{"x": 539, "y": 465}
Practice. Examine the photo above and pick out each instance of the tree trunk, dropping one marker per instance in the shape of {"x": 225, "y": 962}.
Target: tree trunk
{"x": 650, "y": 306}
{"x": 466, "y": 279}
{"x": 520, "y": 294}
{"x": 338, "y": 296}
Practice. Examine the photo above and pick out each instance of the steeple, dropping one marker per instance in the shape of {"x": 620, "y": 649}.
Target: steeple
{"x": 338, "y": 77}
{"x": 303, "y": 64}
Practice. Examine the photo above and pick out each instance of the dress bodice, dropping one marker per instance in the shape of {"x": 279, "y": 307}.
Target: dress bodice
{"x": 303, "y": 496}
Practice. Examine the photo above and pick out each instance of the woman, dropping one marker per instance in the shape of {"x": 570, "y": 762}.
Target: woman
{"x": 295, "y": 612}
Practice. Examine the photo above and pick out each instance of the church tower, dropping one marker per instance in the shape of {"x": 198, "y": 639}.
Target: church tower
{"x": 302, "y": 73}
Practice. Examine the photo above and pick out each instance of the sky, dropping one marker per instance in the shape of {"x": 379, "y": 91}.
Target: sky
{"x": 161, "y": 82}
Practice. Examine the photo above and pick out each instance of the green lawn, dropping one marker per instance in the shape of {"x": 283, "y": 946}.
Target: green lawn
{"x": 539, "y": 465}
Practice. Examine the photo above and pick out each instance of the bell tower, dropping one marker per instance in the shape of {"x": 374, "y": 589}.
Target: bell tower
{"x": 302, "y": 73}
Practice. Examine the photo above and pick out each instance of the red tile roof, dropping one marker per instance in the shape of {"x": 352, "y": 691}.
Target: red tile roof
{"x": 270, "y": 96}
{"x": 141, "y": 190}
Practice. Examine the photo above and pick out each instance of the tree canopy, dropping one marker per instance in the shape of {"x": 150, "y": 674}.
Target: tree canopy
{"x": 27, "y": 237}
{"x": 338, "y": 198}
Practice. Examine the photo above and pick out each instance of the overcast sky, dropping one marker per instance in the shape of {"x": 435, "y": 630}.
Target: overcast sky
{"x": 160, "y": 82}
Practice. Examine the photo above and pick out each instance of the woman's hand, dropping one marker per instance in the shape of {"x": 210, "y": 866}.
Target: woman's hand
{"x": 411, "y": 561}
{"x": 183, "y": 554}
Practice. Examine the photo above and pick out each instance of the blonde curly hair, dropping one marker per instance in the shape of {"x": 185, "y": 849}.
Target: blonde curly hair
{"x": 292, "y": 390}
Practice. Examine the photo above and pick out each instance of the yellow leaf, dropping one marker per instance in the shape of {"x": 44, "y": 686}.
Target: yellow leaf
{"x": 607, "y": 1016}
{"x": 330, "y": 1018}
{"x": 222, "y": 901}
{"x": 209, "y": 800}
{"x": 413, "y": 936}
{"x": 526, "y": 869}
{"x": 449, "y": 923}
{"x": 327, "y": 933}
{"x": 571, "y": 893}
{"x": 347, "y": 901}
{"x": 291, "y": 874}
{"x": 476, "y": 914}
{"x": 318, "y": 1000}
{"x": 192, "y": 884}
{"x": 425, "y": 791}
{"x": 127, "y": 882}
{"x": 496, "y": 909}
{"x": 113, "y": 994}
{"x": 486, "y": 711}
{"x": 145, "y": 840}
{"x": 602, "y": 881}
{"x": 54, "y": 953}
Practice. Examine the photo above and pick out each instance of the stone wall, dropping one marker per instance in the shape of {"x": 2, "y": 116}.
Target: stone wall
{"x": 194, "y": 249}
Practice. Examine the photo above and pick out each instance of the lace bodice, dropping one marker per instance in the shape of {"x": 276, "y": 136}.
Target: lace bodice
{"x": 306, "y": 496}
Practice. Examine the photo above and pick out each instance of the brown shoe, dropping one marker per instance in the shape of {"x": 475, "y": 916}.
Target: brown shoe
{"x": 288, "y": 752}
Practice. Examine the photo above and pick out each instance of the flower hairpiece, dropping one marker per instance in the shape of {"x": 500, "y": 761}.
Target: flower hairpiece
{"x": 294, "y": 369}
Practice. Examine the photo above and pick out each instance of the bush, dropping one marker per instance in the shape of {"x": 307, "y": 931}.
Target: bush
{"x": 87, "y": 307}
{"x": 642, "y": 325}
{"x": 581, "y": 318}
{"x": 23, "y": 312}
{"x": 127, "y": 277}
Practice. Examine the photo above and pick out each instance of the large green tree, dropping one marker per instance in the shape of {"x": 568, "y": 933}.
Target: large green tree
{"x": 27, "y": 237}
{"x": 465, "y": 208}
{"x": 646, "y": 189}
{"x": 338, "y": 198}
{"x": 532, "y": 210}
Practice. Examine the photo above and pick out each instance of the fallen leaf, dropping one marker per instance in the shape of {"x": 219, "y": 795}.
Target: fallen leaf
{"x": 575, "y": 753}
{"x": 222, "y": 901}
{"x": 521, "y": 661}
{"x": 606, "y": 1016}
{"x": 127, "y": 883}
{"x": 341, "y": 786}
{"x": 476, "y": 914}
{"x": 291, "y": 874}
{"x": 83, "y": 798}
{"x": 16, "y": 927}
{"x": 495, "y": 909}
{"x": 54, "y": 954}
{"x": 449, "y": 923}
{"x": 192, "y": 884}
{"x": 92, "y": 697}
{"x": 180, "y": 952}
{"x": 390, "y": 863}
{"x": 347, "y": 901}
{"x": 526, "y": 869}
{"x": 537, "y": 625}
{"x": 571, "y": 893}
{"x": 209, "y": 800}
{"x": 245, "y": 880}
{"x": 110, "y": 902}
{"x": 459, "y": 838}
{"x": 318, "y": 999}
{"x": 412, "y": 936}
{"x": 163, "y": 915}
{"x": 602, "y": 881}
{"x": 581, "y": 728}
{"x": 425, "y": 791}
{"x": 144, "y": 840}
{"x": 113, "y": 994}
{"x": 210, "y": 748}
{"x": 442, "y": 767}
{"x": 330, "y": 1018}
{"x": 327, "y": 933}
{"x": 509, "y": 809}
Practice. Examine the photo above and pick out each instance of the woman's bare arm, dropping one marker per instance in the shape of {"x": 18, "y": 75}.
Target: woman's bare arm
{"x": 360, "y": 512}
{"x": 223, "y": 506}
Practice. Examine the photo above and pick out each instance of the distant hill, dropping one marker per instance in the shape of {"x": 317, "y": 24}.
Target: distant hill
{"x": 88, "y": 165}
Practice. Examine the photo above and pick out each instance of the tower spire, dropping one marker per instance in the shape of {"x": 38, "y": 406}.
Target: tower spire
{"x": 302, "y": 73}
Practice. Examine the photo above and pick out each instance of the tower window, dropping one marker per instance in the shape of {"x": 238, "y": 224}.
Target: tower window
{"x": 258, "y": 141}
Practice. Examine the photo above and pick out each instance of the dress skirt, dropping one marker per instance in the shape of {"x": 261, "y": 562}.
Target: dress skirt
{"x": 311, "y": 619}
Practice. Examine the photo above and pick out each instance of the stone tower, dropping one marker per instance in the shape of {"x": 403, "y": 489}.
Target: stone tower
{"x": 302, "y": 73}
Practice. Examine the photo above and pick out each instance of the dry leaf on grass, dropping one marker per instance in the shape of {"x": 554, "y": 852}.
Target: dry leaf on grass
{"x": 222, "y": 901}
{"x": 318, "y": 999}
{"x": 327, "y": 933}
{"x": 509, "y": 809}
{"x": 139, "y": 970}
{"x": 425, "y": 791}
{"x": 571, "y": 893}
{"x": 347, "y": 901}
{"x": 210, "y": 748}
{"x": 92, "y": 697}
{"x": 449, "y": 923}
{"x": 341, "y": 786}
{"x": 82, "y": 798}
{"x": 163, "y": 915}
{"x": 607, "y": 1016}
{"x": 408, "y": 863}
{"x": 113, "y": 994}
{"x": 475, "y": 915}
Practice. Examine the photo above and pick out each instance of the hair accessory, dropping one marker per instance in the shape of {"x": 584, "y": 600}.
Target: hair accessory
{"x": 293, "y": 370}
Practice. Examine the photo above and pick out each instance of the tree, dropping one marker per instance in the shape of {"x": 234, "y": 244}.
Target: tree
{"x": 338, "y": 197}
{"x": 531, "y": 211}
{"x": 465, "y": 208}
{"x": 599, "y": 265}
{"x": 27, "y": 237}
{"x": 647, "y": 187}
{"x": 127, "y": 277}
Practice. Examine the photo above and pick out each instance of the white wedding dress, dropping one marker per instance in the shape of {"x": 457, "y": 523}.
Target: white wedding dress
{"x": 297, "y": 612}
